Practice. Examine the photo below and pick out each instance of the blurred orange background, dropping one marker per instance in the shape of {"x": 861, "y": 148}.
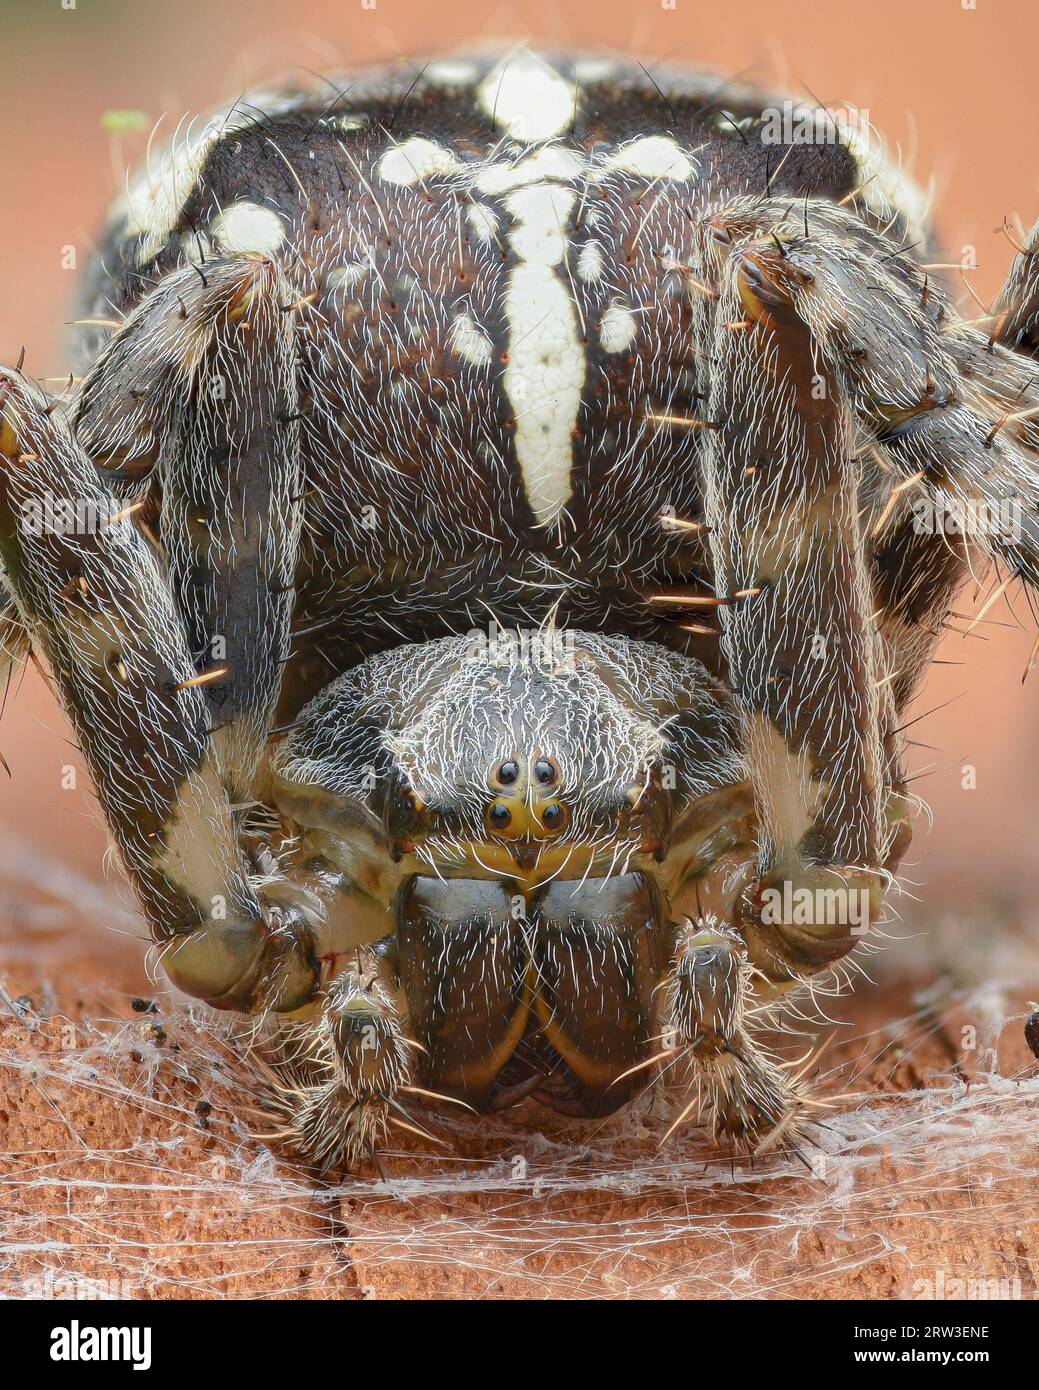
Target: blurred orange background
{"x": 952, "y": 84}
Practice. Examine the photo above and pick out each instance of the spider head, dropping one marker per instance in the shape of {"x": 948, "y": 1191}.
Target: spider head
{"x": 530, "y": 767}
{"x": 520, "y": 761}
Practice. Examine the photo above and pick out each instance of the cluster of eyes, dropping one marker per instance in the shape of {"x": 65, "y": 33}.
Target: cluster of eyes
{"x": 552, "y": 817}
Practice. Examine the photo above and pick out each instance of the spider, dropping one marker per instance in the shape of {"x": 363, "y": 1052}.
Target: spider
{"x": 486, "y": 557}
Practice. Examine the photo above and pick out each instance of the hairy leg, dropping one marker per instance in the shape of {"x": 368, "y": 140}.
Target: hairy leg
{"x": 197, "y": 394}
{"x": 951, "y": 421}
{"x": 781, "y": 499}
{"x": 749, "y": 1097}
{"x": 929, "y": 420}
{"x": 949, "y": 414}
{"x": 1018, "y": 309}
{"x": 341, "y": 1076}
{"x": 230, "y": 477}
{"x": 96, "y": 604}
{"x": 14, "y": 644}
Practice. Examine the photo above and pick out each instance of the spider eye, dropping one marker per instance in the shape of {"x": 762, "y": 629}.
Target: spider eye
{"x": 545, "y": 771}
{"x": 509, "y": 772}
{"x": 499, "y": 815}
{"x": 553, "y": 817}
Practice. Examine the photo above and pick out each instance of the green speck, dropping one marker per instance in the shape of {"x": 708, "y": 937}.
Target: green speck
{"x": 119, "y": 122}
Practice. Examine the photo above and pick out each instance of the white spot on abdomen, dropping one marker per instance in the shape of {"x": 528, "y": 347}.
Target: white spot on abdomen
{"x": 483, "y": 221}
{"x": 545, "y": 373}
{"x": 651, "y": 157}
{"x": 618, "y": 328}
{"x": 589, "y": 262}
{"x": 451, "y": 72}
{"x": 247, "y": 226}
{"x": 551, "y": 162}
{"x": 155, "y": 200}
{"x": 594, "y": 69}
{"x": 470, "y": 341}
{"x": 416, "y": 159}
{"x": 527, "y": 98}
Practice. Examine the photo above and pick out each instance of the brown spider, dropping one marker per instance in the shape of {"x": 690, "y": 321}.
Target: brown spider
{"x": 652, "y": 371}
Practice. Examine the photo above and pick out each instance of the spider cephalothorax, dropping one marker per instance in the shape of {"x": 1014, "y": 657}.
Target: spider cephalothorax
{"x": 524, "y": 757}
{"x": 619, "y": 359}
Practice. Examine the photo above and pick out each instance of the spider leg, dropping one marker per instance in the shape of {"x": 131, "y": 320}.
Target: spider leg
{"x": 978, "y": 461}
{"x": 791, "y": 575}
{"x": 200, "y": 383}
{"x": 95, "y": 602}
{"x": 14, "y": 643}
{"x": 916, "y": 577}
{"x": 946, "y": 432}
{"x": 1017, "y": 313}
{"x": 879, "y": 330}
{"x": 952, "y": 418}
{"x": 748, "y": 1096}
{"x": 344, "y": 1071}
